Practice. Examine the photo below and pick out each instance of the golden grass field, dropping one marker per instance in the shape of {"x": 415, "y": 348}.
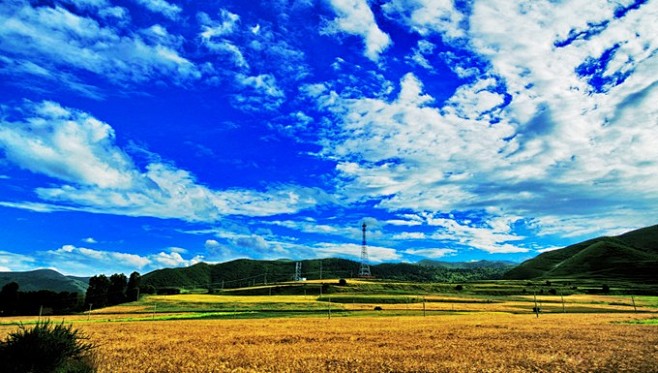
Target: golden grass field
{"x": 478, "y": 342}
{"x": 474, "y": 342}
{"x": 482, "y": 337}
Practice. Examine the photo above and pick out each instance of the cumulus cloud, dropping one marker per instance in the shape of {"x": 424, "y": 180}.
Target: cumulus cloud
{"x": 355, "y": 17}
{"x": 68, "y": 145}
{"x": 493, "y": 236}
{"x": 174, "y": 259}
{"x": 549, "y": 128}
{"x": 75, "y": 147}
{"x": 428, "y": 16}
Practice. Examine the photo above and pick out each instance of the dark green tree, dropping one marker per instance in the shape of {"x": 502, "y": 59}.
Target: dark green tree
{"x": 9, "y": 299}
{"x": 116, "y": 294}
{"x": 97, "y": 291}
{"x": 133, "y": 287}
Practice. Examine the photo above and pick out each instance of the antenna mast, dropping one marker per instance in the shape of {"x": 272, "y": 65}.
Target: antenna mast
{"x": 364, "y": 269}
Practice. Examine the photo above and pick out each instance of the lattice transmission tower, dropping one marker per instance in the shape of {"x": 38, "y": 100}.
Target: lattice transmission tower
{"x": 364, "y": 269}
{"x": 298, "y": 271}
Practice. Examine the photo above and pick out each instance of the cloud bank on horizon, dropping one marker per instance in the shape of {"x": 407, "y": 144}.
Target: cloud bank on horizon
{"x": 150, "y": 133}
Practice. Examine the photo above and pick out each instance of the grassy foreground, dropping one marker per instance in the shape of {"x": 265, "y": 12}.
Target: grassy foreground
{"x": 475, "y": 342}
{"x": 417, "y": 330}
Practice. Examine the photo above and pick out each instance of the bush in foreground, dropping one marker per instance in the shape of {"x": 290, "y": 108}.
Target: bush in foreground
{"x": 46, "y": 347}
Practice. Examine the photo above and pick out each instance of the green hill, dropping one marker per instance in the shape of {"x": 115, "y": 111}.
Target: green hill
{"x": 631, "y": 256}
{"x": 246, "y": 272}
{"x": 45, "y": 279}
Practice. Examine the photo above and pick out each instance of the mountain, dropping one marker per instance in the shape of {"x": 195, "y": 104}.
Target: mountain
{"x": 469, "y": 265}
{"x": 246, "y": 272}
{"x": 630, "y": 256}
{"x": 45, "y": 279}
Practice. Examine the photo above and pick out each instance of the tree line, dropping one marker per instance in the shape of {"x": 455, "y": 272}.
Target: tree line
{"x": 15, "y": 302}
{"x": 102, "y": 292}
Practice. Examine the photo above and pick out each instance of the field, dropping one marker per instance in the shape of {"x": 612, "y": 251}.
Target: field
{"x": 341, "y": 332}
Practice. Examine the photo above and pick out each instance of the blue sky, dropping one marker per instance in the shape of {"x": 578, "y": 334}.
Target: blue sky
{"x": 142, "y": 134}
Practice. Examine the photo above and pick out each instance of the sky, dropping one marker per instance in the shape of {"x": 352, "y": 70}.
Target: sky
{"x": 143, "y": 134}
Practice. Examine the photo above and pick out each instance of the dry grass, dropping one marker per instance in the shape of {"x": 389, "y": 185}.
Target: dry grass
{"x": 478, "y": 342}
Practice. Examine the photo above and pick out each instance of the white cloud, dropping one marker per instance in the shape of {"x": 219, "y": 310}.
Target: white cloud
{"x": 494, "y": 236}
{"x": 174, "y": 259}
{"x": 58, "y": 40}
{"x": 77, "y": 148}
{"x": 432, "y": 253}
{"x": 70, "y": 259}
{"x": 376, "y": 254}
{"x": 427, "y": 16}
{"x": 532, "y": 131}
{"x": 15, "y": 262}
{"x": 355, "y": 17}
{"x": 409, "y": 236}
{"x": 68, "y": 145}
{"x": 89, "y": 240}
{"x": 211, "y": 244}
{"x": 258, "y": 92}
{"x": 226, "y": 25}
{"x": 163, "y": 7}
{"x": 215, "y": 33}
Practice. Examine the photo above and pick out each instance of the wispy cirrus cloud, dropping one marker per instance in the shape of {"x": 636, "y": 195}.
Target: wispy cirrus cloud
{"x": 56, "y": 39}
{"x": 163, "y": 7}
{"x": 376, "y": 254}
{"x": 15, "y": 262}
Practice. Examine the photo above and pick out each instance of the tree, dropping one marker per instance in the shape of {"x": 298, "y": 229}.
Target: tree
{"x": 9, "y": 299}
{"x": 97, "y": 291}
{"x": 116, "y": 293}
{"x": 132, "y": 292}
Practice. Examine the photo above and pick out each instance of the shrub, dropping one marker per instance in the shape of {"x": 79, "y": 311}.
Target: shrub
{"x": 459, "y": 288}
{"x": 46, "y": 348}
{"x": 342, "y": 282}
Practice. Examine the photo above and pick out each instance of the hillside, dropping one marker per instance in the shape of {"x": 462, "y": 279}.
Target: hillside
{"x": 631, "y": 256}
{"x": 245, "y": 272}
{"x": 45, "y": 279}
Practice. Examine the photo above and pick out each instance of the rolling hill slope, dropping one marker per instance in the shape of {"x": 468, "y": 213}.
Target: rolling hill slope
{"x": 45, "y": 279}
{"x": 630, "y": 256}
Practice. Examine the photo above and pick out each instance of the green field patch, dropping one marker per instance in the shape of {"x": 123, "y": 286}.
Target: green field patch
{"x": 651, "y": 321}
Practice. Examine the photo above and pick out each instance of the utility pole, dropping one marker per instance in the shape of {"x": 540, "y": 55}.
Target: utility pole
{"x": 534, "y": 293}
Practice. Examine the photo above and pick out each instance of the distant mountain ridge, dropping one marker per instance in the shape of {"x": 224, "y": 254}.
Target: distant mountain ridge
{"x": 631, "y": 256}
{"x": 45, "y": 279}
